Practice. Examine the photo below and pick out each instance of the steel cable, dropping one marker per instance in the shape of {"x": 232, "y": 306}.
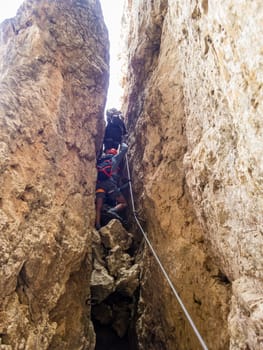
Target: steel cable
{"x": 160, "y": 264}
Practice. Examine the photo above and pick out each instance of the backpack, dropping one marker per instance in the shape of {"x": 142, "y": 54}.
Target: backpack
{"x": 104, "y": 167}
{"x": 118, "y": 122}
{"x": 115, "y": 129}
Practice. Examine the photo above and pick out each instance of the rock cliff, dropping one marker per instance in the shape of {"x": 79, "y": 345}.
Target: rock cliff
{"x": 54, "y": 79}
{"x": 193, "y": 105}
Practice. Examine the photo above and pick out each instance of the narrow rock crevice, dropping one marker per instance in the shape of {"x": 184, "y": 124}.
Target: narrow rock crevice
{"x": 114, "y": 287}
{"x": 193, "y": 109}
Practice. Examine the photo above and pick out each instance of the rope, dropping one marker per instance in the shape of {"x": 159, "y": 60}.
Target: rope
{"x": 161, "y": 266}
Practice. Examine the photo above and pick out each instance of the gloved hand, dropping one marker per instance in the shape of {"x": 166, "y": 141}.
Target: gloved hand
{"x": 124, "y": 147}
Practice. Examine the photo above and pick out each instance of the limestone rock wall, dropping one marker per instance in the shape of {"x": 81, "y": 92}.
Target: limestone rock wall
{"x": 114, "y": 282}
{"x": 193, "y": 103}
{"x": 53, "y": 85}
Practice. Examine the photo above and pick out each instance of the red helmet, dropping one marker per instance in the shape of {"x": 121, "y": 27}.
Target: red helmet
{"x": 111, "y": 151}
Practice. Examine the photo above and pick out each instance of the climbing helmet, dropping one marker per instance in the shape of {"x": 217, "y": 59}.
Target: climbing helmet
{"x": 111, "y": 151}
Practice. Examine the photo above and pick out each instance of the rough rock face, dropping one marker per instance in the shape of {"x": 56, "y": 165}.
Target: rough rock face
{"x": 114, "y": 279}
{"x": 54, "y": 78}
{"x": 193, "y": 103}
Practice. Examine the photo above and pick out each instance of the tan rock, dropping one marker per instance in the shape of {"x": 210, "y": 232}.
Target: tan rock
{"x": 114, "y": 234}
{"x": 117, "y": 259}
{"x": 53, "y": 84}
{"x": 97, "y": 248}
{"x": 246, "y": 316}
{"x": 193, "y": 103}
{"x": 114, "y": 281}
{"x": 102, "y": 284}
{"x": 128, "y": 280}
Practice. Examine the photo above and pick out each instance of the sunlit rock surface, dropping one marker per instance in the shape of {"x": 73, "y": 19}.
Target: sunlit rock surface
{"x": 53, "y": 85}
{"x": 193, "y": 103}
{"x": 114, "y": 234}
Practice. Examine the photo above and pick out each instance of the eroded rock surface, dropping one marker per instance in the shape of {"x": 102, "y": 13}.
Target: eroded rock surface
{"x": 115, "y": 278}
{"x": 193, "y": 103}
{"x": 54, "y": 78}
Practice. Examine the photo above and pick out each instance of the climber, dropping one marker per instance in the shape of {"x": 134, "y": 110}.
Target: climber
{"x": 115, "y": 129}
{"x": 107, "y": 183}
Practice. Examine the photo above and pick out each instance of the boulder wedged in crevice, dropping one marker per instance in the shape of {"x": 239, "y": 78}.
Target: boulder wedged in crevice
{"x": 114, "y": 281}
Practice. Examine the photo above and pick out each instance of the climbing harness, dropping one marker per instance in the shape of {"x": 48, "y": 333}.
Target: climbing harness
{"x": 104, "y": 171}
{"x": 104, "y": 167}
{"x": 160, "y": 264}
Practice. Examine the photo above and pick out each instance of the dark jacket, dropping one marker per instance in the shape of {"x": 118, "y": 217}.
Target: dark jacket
{"x": 114, "y": 132}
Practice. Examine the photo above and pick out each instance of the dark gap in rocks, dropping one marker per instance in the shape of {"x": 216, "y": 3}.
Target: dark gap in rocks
{"x": 222, "y": 278}
{"x": 114, "y": 322}
{"x": 21, "y": 286}
{"x": 108, "y": 339}
{"x": 114, "y": 287}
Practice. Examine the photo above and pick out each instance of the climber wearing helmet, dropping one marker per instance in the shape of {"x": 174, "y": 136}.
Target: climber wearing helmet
{"x": 112, "y": 151}
{"x": 107, "y": 182}
{"x": 115, "y": 129}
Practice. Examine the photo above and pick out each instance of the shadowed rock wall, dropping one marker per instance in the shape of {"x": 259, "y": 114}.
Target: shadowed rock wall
{"x": 193, "y": 103}
{"x": 54, "y": 79}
